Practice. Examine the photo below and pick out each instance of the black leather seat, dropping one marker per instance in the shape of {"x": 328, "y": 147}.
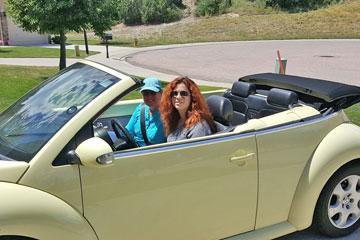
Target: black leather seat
{"x": 222, "y": 111}
{"x": 238, "y": 95}
{"x": 278, "y": 100}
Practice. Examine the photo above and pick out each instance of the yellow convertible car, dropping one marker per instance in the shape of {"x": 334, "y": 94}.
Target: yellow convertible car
{"x": 285, "y": 156}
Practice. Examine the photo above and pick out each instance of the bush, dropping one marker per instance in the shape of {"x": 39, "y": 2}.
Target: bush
{"x": 149, "y": 11}
{"x": 129, "y": 11}
{"x": 299, "y": 5}
{"x": 153, "y": 11}
{"x": 178, "y": 3}
{"x": 56, "y": 39}
{"x": 211, "y": 7}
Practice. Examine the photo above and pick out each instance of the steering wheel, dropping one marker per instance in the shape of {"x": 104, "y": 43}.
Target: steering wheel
{"x": 118, "y": 128}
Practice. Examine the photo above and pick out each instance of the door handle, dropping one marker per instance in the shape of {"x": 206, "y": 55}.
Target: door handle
{"x": 242, "y": 159}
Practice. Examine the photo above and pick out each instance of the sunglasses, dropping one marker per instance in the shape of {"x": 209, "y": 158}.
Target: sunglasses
{"x": 148, "y": 93}
{"x": 182, "y": 94}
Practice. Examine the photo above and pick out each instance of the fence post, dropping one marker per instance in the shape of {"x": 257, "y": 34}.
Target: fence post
{"x": 77, "y": 50}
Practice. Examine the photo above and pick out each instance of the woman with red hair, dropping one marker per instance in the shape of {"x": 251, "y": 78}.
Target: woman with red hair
{"x": 184, "y": 111}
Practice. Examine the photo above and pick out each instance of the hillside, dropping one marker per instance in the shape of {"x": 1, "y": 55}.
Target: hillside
{"x": 338, "y": 21}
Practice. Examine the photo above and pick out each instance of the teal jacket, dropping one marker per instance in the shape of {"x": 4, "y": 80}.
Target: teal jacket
{"x": 153, "y": 124}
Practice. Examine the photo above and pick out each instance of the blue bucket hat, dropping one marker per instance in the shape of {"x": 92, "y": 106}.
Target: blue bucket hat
{"x": 152, "y": 84}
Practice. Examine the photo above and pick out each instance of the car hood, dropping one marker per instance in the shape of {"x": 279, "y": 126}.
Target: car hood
{"x": 11, "y": 171}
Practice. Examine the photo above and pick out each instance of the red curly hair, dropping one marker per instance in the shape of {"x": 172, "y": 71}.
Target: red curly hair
{"x": 197, "y": 112}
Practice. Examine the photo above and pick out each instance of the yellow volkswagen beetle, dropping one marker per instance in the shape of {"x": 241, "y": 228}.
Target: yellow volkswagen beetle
{"x": 285, "y": 156}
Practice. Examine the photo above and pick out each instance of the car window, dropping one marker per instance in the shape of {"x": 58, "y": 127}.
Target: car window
{"x": 29, "y": 123}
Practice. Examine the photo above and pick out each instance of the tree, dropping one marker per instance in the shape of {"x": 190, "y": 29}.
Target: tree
{"x": 61, "y": 16}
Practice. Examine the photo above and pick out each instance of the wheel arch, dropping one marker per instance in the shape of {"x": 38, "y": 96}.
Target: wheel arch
{"x": 28, "y": 212}
{"x": 340, "y": 148}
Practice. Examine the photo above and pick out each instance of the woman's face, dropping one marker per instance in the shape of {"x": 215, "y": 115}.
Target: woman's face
{"x": 152, "y": 99}
{"x": 181, "y": 98}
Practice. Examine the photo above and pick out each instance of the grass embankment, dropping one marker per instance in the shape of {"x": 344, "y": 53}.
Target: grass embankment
{"x": 15, "y": 81}
{"x": 39, "y": 52}
{"x": 334, "y": 22}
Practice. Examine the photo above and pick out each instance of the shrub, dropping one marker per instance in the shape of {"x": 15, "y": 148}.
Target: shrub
{"x": 129, "y": 11}
{"x": 211, "y": 7}
{"x": 149, "y": 11}
{"x": 56, "y": 39}
{"x": 178, "y": 3}
{"x": 299, "y": 5}
{"x": 160, "y": 11}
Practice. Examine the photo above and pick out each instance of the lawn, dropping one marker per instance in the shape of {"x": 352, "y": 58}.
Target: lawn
{"x": 15, "y": 81}
{"x": 39, "y": 52}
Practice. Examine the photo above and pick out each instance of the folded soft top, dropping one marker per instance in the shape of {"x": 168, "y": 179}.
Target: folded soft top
{"x": 342, "y": 95}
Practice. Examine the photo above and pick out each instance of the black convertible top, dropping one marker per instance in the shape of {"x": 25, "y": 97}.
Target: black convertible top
{"x": 330, "y": 92}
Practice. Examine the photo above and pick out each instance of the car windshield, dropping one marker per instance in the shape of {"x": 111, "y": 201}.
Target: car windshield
{"x": 30, "y": 122}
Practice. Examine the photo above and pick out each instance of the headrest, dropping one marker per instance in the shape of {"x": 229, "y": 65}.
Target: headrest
{"x": 281, "y": 97}
{"x": 221, "y": 109}
{"x": 243, "y": 89}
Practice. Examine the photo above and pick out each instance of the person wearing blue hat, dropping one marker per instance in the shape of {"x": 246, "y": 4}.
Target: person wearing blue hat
{"x": 152, "y": 126}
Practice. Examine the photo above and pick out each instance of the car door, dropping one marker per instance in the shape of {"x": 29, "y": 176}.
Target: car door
{"x": 283, "y": 153}
{"x": 198, "y": 189}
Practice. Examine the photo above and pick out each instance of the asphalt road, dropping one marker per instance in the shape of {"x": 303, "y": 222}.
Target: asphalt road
{"x": 334, "y": 60}
{"x": 314, "y": 235}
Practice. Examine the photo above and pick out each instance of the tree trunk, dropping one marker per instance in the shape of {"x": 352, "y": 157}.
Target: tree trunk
{"x": 62, "y": 64}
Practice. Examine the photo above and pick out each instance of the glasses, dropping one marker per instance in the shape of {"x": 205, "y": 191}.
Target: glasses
{"x": 182, "y": 94}
{"x": 148, "y": 93}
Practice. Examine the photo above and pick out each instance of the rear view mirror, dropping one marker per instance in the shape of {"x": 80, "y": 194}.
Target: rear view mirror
{"x": 95, "y": 152}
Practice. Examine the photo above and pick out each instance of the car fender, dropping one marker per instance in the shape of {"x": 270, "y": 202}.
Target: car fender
{"x": 339, "y": 146}
{"x": 25, "y": 211}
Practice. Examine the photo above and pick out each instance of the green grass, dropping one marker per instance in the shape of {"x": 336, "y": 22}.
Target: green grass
{"x": 353, "y": 113}
{"x": 39, "y": 52}
{"x": 15, "y": 81}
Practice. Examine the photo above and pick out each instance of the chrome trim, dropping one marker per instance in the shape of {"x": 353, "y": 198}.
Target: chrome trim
{"x": 181, "y": 145}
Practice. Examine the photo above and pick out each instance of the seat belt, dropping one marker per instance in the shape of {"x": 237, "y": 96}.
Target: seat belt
{"x": 142, "y": 121}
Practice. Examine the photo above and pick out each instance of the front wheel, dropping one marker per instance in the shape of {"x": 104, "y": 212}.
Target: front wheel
{"x": 337, "y": 211}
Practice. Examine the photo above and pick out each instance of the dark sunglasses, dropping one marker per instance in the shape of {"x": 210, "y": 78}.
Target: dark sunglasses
{"x": 182, "y": 93}
{"x": 147, "y": 93}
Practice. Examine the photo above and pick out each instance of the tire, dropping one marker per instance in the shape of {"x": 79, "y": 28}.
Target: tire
{"x": 337, "y": 211}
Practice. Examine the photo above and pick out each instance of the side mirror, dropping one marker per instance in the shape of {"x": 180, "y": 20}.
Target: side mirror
{"x": 95, "y": 152}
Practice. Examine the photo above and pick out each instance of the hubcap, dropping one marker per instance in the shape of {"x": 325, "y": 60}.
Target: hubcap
{"x": 344, "y": 203}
